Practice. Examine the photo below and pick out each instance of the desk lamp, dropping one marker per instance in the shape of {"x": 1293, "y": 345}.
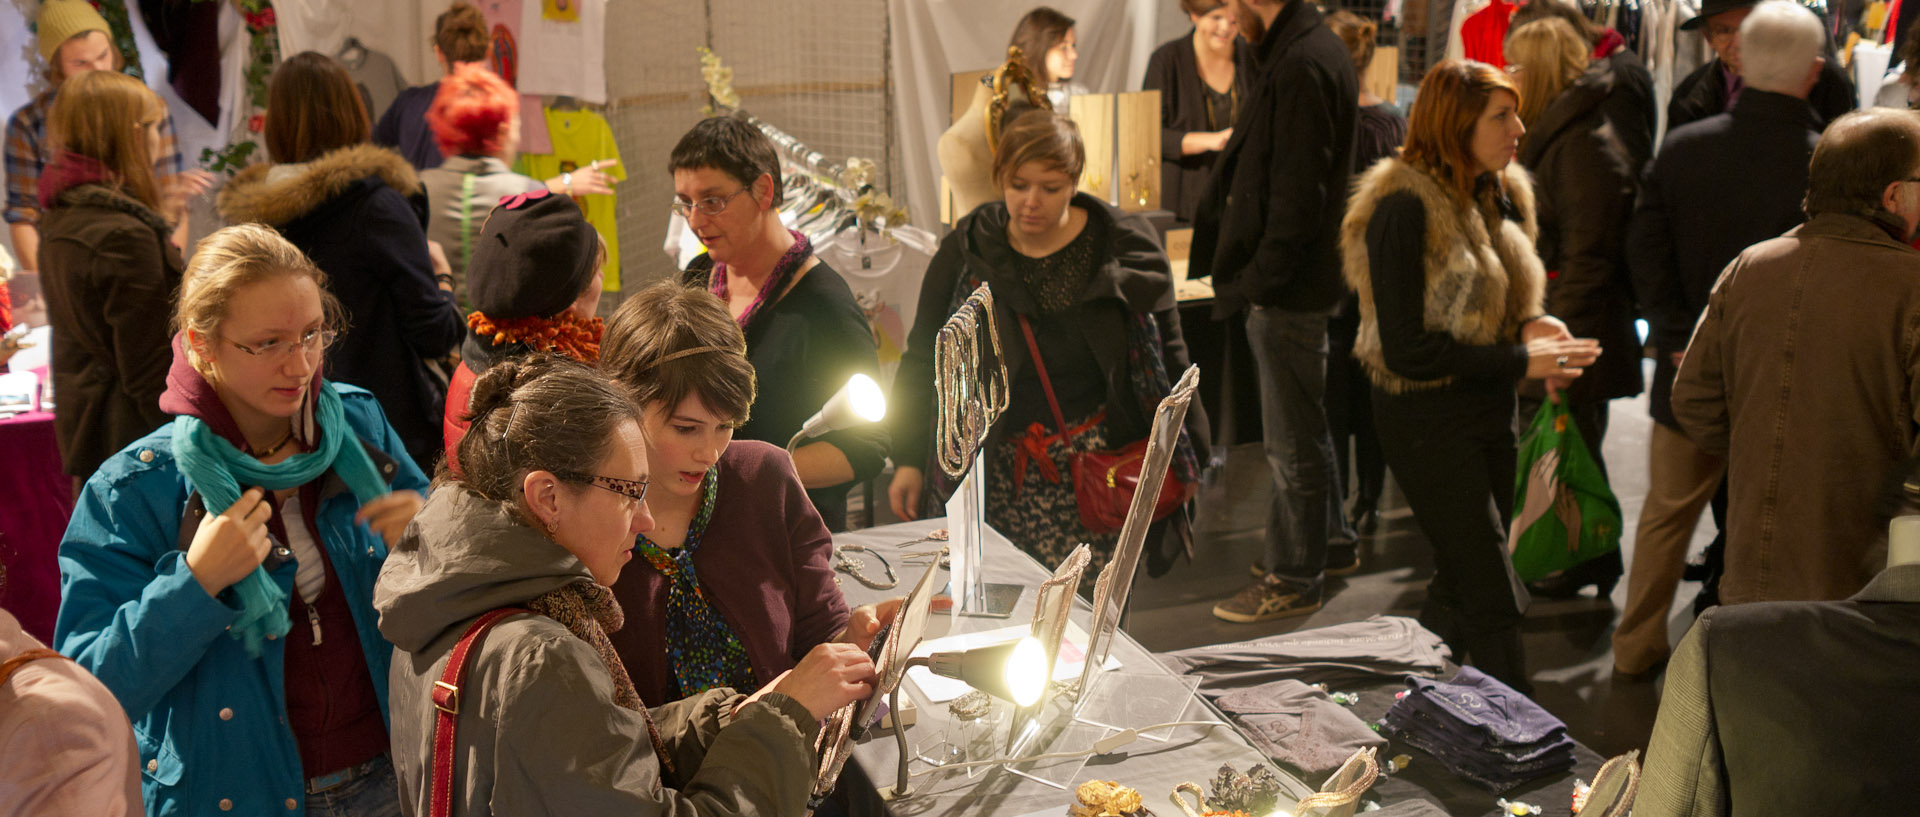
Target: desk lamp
{"x": 1016, "y": 671}
{"x": 860, "y": 401}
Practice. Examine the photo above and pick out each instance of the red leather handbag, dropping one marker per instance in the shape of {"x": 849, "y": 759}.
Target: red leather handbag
{"x": 1104, "y": 482}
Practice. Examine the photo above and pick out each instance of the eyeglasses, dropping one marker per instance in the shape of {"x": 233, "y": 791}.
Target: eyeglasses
{"x": 711, "y": 205}
{"x": 313, "y": 342}
{"x": 635, "y": 490}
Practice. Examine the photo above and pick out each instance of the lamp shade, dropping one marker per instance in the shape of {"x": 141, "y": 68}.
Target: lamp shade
{"x": 859, "y": 401}
{"x": 1016, "y": 671}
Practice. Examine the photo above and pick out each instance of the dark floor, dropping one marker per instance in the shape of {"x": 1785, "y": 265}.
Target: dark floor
{"x": 1568, "y": 642}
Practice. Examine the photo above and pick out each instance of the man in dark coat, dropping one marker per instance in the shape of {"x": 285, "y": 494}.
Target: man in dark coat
{"x": 1714, "y": 87}
{"x": 1701, "y": 203}
{"x": 1267, "y": 231}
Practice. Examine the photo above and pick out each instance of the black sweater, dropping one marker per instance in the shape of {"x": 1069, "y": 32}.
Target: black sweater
{"x": 803, "y": 348}
{"x": 1396, "y": 241}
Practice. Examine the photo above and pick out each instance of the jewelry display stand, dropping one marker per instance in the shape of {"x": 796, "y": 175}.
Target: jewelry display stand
{"x": 970, "y": 379}
{"x": 1137, "y": 150}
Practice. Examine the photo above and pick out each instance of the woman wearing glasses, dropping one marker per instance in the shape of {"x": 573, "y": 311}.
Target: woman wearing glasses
{"x": 805, "y": 332}
{"x": 542, "y": 519}
{"x": 109, "y": 261}
{"x": 218, "y": 573}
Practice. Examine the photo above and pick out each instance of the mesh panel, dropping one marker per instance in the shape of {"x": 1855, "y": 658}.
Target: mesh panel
{"x": 816, "y": 69}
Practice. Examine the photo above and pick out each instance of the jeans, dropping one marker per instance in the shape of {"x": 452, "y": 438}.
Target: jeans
{"x": 375, "y": 795}
{"x": 1290, "y": 357}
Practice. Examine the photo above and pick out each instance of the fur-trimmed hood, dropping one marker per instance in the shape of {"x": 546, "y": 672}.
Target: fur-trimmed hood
{"x": 108, "y": 197}
{"x": 277, "y": 194}
{"x": 1481, "y": 284}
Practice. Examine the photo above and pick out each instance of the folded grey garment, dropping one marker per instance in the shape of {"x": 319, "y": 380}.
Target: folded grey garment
{"x": 1408, "y": 808}
{"x": 1298, "y": 725}
{"x": 1380, "y": 646}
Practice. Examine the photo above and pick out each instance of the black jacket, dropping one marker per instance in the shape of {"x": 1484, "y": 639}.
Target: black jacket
{"x": 1174, "y": 71}
{"x": 1703, "y": 93}
{"x": 1631, "y": 106}
{"x": 803, "y": 347}
{"x": 1718, "y": 186}
{"x": 1134, "y": 277}
{"x": 1583, "y": 181}
{"x": 1268, "y": 226}
{"x": 359, "y": 213}
{"x": 112, "y": 272}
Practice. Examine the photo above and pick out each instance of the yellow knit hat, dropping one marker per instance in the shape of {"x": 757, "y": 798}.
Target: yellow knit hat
{"x": 62, "y": 20}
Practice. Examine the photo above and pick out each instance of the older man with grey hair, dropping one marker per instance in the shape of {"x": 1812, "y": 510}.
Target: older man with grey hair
{"x": 1805, "y": 370}
{"x": 1717, "y": 187}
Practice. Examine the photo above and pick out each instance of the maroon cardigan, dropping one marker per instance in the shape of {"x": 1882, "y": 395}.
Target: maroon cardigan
{"x": 765, "y": 562}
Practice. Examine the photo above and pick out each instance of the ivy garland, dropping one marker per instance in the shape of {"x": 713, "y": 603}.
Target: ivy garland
{"x": 263, "y": 54}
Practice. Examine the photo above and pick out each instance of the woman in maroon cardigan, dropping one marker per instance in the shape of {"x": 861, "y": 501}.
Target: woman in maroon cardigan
{"x": 737, "y": 582}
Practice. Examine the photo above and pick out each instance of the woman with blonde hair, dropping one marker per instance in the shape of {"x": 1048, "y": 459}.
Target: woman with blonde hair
{"x": 110, "y": 260}
{"x": 218, "y": 573}
{"x": 1438, "y": 242}
{"x": 1584, "y": 177}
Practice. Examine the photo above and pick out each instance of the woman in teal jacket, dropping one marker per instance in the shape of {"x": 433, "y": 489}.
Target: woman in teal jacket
{"x": 218, "y": 573}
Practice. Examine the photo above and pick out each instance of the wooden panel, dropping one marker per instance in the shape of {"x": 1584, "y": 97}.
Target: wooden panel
{"x": 1137, "y": 151}
{"x": 963, "y": 85}
{"x": 1383, "y": 75}
{"x": 1094, "y": 114}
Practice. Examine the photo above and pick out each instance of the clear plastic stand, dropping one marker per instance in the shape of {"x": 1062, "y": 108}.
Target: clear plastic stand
{"x": 1131, "y": 700}
{"x": 1053, "y": 731}
{"x": 966, "y": 526}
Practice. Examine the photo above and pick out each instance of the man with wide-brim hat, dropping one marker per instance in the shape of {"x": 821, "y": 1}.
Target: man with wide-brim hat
{"x": 1712, "y": 88}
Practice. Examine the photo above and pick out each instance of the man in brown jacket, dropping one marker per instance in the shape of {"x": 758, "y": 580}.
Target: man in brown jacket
{"x": 1805, "y": 370}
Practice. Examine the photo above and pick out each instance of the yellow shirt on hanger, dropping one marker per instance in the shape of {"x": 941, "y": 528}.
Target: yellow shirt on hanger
{"x": 580, "y": 138}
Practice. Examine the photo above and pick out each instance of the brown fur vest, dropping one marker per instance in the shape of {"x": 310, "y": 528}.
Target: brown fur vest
{"x": 1479, "y": 288}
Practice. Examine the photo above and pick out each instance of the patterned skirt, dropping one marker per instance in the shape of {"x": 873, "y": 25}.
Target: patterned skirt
{"x": 1042, "y": 517}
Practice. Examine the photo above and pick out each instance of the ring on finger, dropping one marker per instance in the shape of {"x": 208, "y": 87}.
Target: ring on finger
{"x": 1560, "y": 361}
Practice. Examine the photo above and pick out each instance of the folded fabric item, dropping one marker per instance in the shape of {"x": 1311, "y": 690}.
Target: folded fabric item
{"x": 1408, "y": 808}
{"x": 1483, "y": 704}
{"x": 1496, "y": 782}
{"x": 1518, "y": 757}
{"x": 1380, "y": 646}
{"x": 1298, "y": 725}
{"x": 1481, "y": 730}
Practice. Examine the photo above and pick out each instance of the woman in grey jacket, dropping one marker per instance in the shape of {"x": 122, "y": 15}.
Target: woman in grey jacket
{"x": 542, "y": 518}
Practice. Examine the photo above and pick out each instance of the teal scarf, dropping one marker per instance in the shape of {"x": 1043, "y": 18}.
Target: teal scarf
{"x": 218, "y": 470}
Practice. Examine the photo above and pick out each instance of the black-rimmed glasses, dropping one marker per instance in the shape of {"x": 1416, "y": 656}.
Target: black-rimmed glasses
{"x": 711, "y": 205}
{"x": 635, "y": 490}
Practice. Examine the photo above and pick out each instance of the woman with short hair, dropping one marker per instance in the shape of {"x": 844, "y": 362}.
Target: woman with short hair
{"x": 1092, "y": 285}
{"x": 1201, "y": 86}
{"x": 541, "y": 521}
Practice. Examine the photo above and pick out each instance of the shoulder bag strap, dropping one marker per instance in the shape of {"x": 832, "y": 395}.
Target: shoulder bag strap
{"x": 466, "y": 220}
{"x": 446, "y": 699}
{"x": 1046, "y": 383}
{"x": 8, "y": 666}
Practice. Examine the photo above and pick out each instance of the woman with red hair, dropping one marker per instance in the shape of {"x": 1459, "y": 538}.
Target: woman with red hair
{"x": 476, "y": 119}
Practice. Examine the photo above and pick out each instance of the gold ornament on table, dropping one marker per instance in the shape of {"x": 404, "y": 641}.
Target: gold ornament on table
{"x": 1105, "y": 798}
{"x": 971, "y": 384}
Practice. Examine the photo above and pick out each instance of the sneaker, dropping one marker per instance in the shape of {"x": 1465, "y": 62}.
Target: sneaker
{"x": 1268, "y": 599}
{"x": 1343, "y": 561}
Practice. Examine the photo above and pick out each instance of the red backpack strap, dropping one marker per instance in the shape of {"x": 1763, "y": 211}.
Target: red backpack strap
{"x": 446, "y": 699}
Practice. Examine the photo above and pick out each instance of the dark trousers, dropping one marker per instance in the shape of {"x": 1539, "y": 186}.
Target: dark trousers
{"x": 1452, "y": 452}
{"x": 1290, "y": 358}
{"x": 1350, "y": 423}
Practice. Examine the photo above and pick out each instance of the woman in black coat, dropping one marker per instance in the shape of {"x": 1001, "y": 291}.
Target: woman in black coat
{"x": 1201, "y": 88}
{"x": 1093, "y": 285}
{"x": 1585, "y": 182}
{"x": 358, "y": 211}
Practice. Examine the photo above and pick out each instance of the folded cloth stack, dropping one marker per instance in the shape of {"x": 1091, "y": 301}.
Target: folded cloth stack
{"x": 1481, "y": 730}
{"x": 1374, "y": 648}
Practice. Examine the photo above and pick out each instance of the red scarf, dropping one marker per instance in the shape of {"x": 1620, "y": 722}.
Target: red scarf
{"x": 67, "y": 171}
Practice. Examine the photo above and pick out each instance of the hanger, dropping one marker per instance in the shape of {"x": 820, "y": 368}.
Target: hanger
{"x": 352, "y": 50}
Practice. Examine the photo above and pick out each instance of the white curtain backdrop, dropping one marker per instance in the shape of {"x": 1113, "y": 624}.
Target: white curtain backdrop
{"x": 934, "y": 39}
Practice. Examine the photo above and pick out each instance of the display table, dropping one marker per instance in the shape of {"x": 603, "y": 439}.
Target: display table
{"x": 36, "y": 498}
{"x": 1154, "y": 768}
